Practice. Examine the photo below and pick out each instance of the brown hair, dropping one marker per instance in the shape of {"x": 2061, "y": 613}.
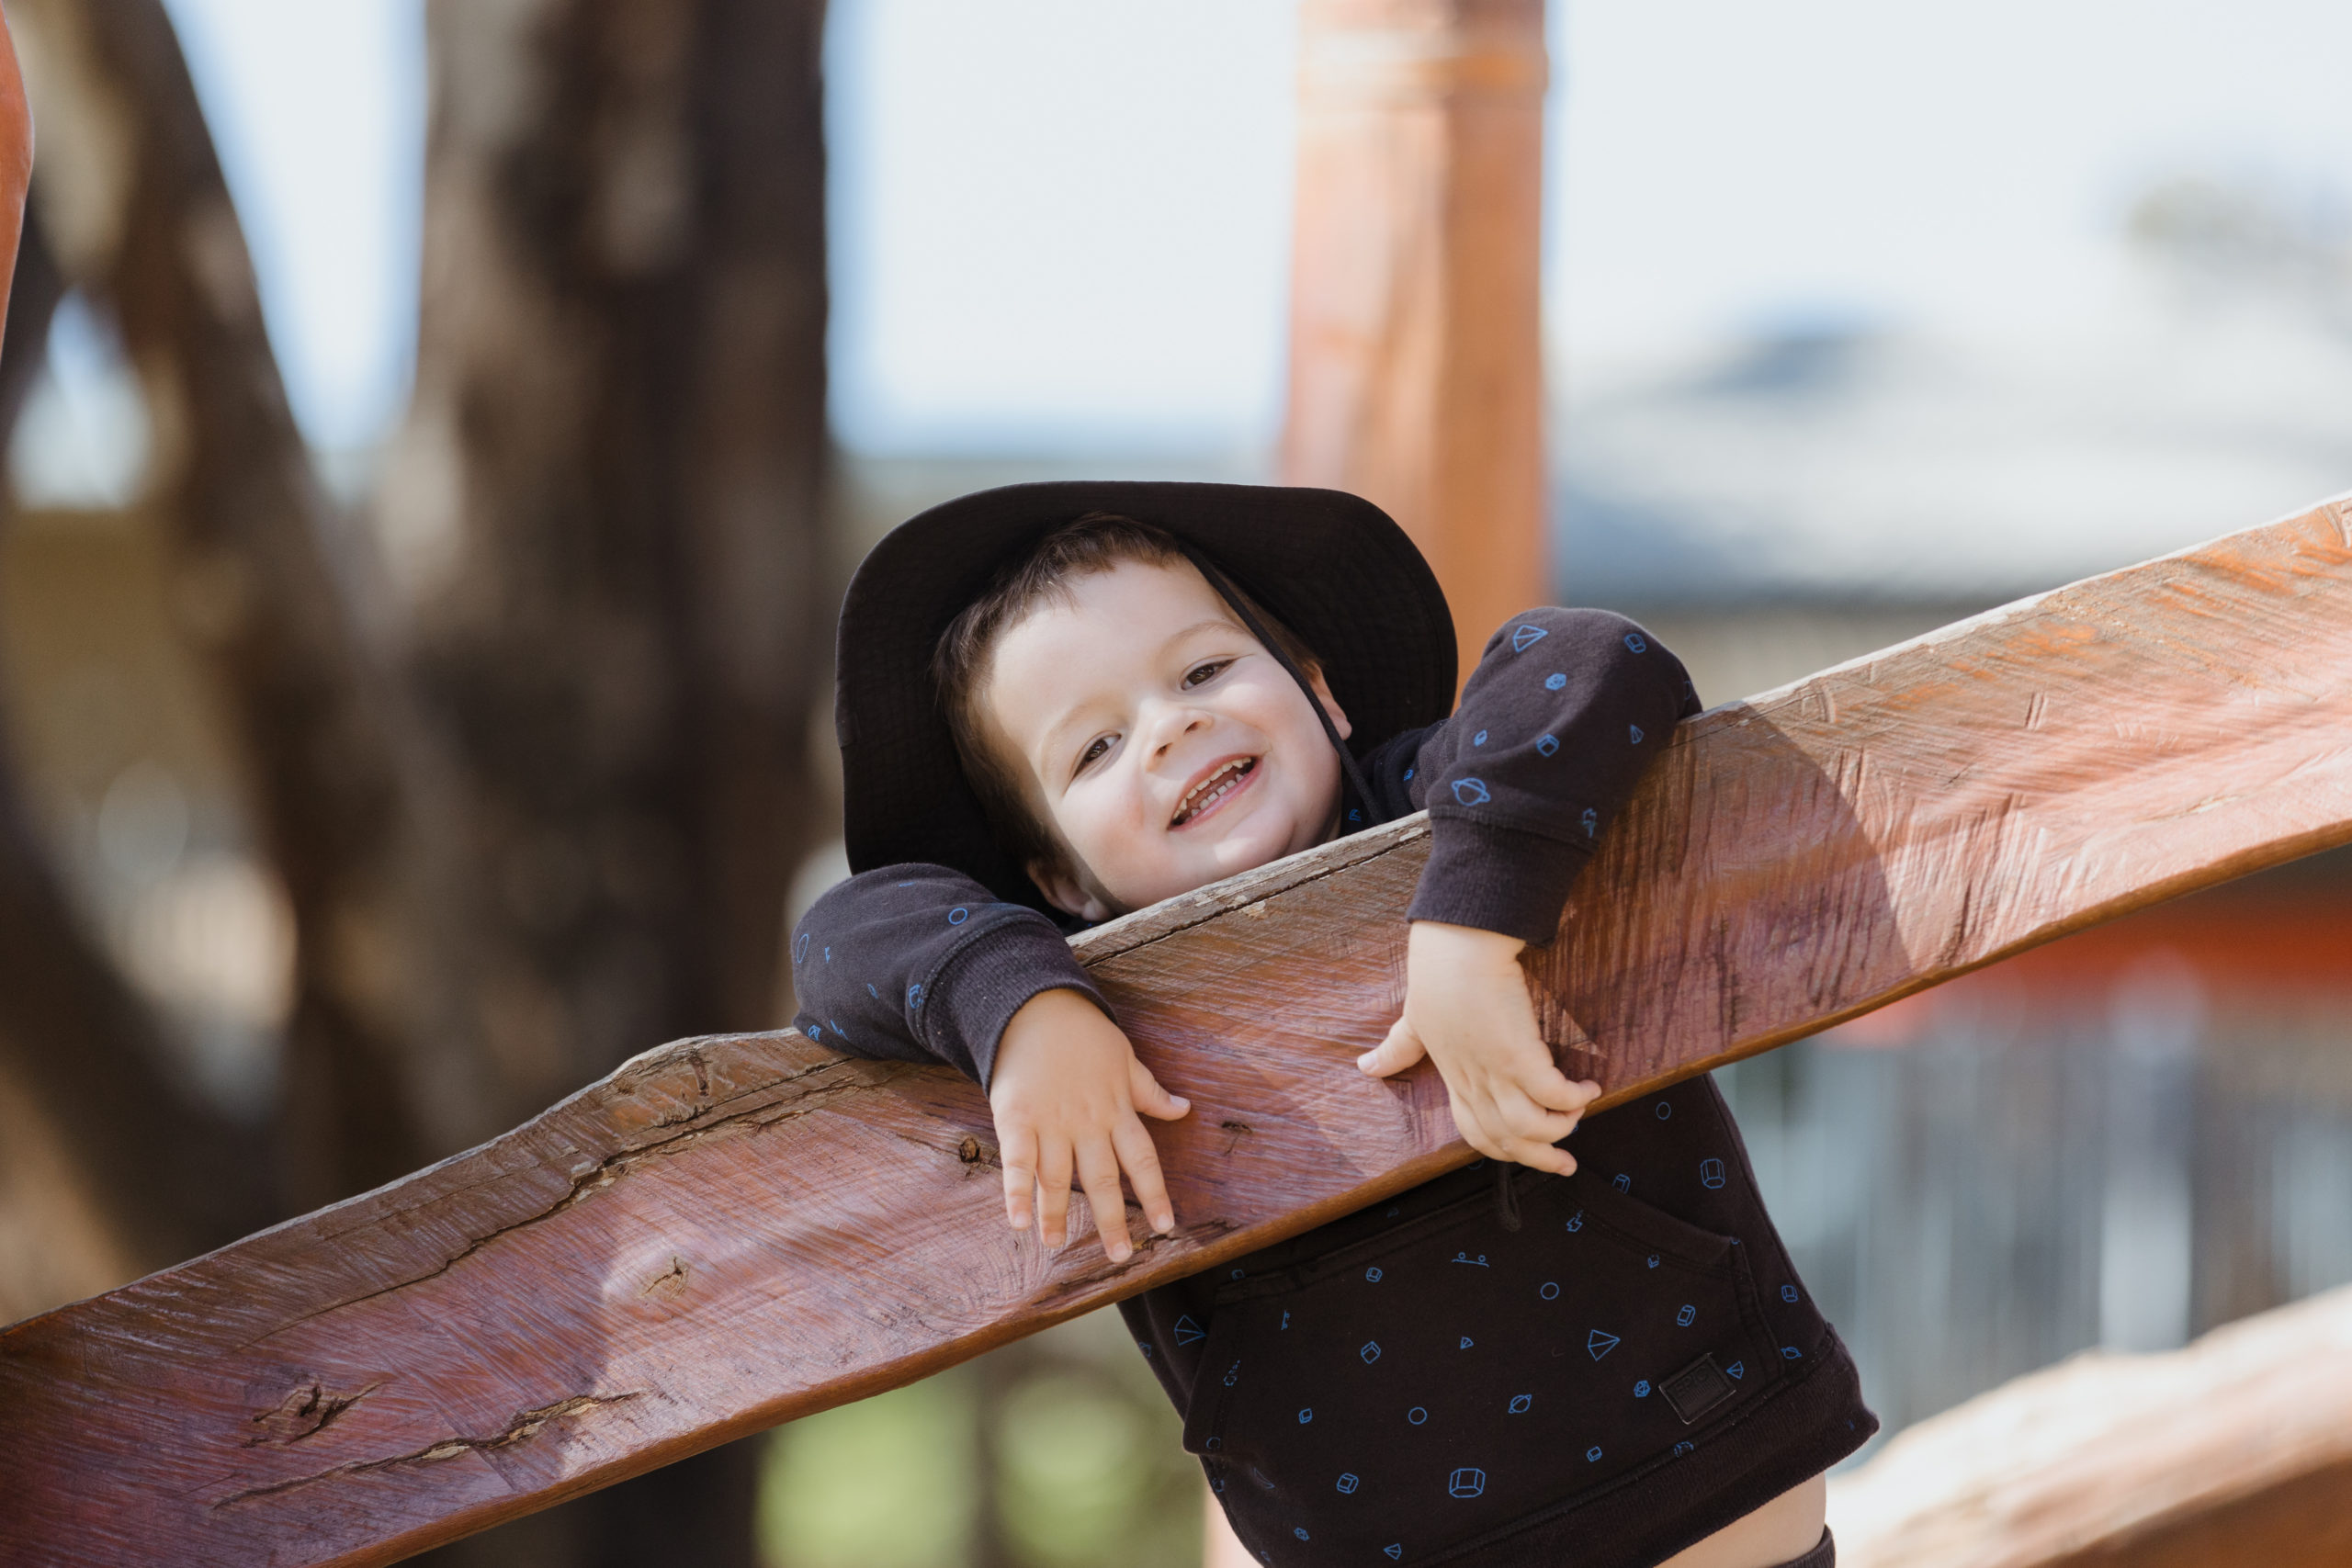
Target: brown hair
{"x": 1095, "y": 543}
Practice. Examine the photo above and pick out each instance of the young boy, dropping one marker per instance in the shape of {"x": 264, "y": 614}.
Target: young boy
{"x": 1075, "y": 700}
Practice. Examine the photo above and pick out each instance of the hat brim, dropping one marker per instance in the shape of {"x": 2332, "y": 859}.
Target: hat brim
{"x": 1334, "y": 567}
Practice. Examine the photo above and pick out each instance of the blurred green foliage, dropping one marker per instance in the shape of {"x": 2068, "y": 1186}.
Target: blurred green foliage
{"x": 1056, "y": 1453}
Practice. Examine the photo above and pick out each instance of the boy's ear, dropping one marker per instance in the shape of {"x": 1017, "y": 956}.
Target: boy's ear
{"x": 1330, "y": 704}
{"x": 1064, "y": 892}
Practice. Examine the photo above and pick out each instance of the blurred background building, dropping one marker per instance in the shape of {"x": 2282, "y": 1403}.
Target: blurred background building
{"x": 1861, "y": 320}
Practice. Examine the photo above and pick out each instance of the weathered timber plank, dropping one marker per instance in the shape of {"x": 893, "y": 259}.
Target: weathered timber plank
{"x": 732, "y": 1231}
{"x": 2236, "y": 1450}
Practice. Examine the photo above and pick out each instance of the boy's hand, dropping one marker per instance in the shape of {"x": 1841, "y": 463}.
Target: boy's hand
{"x": 1466, "y": 1008}
{"x": 1064, "y": 1093}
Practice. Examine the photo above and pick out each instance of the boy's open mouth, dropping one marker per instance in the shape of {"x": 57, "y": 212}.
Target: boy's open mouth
{"x": 1205, "y": 796}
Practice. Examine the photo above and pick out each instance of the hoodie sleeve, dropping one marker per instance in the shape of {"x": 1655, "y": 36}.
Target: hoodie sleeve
{"x": 921, "y": 964}
{"x": 1566, "y": 710}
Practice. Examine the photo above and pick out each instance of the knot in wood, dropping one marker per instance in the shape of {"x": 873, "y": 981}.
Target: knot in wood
{"x": 969, "y": 1151}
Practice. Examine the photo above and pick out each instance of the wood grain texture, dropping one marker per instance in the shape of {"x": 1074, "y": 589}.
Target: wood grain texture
{"x": 2235, "y": 1453}
{"x": 728, "y": 1233}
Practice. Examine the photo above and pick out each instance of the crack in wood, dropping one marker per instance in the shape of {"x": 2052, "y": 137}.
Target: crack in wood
{"x": 526, "y": 1424}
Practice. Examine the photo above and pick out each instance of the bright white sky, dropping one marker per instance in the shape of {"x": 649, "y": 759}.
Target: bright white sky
{"x": 1062, "y": 224}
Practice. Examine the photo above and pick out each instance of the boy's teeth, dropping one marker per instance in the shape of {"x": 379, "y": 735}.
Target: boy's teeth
{"x": 1211, "y": 787}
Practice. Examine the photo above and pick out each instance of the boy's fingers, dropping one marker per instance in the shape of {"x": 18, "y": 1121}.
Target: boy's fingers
{"x": 1555, "y": 1090}
{"x": 1098, "y": 1173}
{"x": 1140, "y": 1157}
{"x": 1019, "y": 1152}
{"x": 1400, "y": 1050}
{"x": 1150, "y": 1098}
{"x": 1053, "y": 1192}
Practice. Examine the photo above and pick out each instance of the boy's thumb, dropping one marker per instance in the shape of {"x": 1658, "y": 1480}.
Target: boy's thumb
{"x": 1150, "y": 1098}
{"x": 1394, "y": 1055}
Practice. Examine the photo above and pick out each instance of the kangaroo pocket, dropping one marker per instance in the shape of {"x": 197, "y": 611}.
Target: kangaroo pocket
{"x": 1411, "y": 1393}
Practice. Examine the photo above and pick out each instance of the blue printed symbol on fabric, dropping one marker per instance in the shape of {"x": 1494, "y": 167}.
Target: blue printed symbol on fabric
{"x": 1653, "y": 1259}
{"x": 872, "y": 992}
{"x": 1791, "y": 1353}
{"x": 1373, "y": 1275}
{"x": 914, "y": 996}
{"x": 1285, "y": 1322}
{"x": 1237, "y": 1273}
{"x": 1711, "y": 1174}
{"x": 1347, "y": 1482}
{"x": 1188, "y": 1332}
{"x": 956, "y": 917}
{"x": 1622, "y": 1183}
{"x": 1633, "y": 640}
{"x": 1305, "y": 1417}
{"x": 1144, "y": 1346}
{"x": 1467, "y": 1482}
{"x": 1394, "y": 1552}
{"x": 1551, "y": 1290}
{"x": 1681, "y": 1449}
{"x": 1524, "y": 637}
{"x": 1599, "y": 1343}
{"x": 1408, "y": 775}
{"x": 835, "y": 1027}
{"x": 1479, "y": 738}
{"x": 1298, "y": 1531}
{"x": 1664, "y": 1111}
{"x": 800, "y": 948}
{"x": 1520, "y": 1402}
{"x": 828, "y": 956}
{"x": 1471, "y": 792}
{"x": 1371, "y": 1352}
{"x": 1466, "y": 1343}
{"x": 1232, "y": 1372}
{"x": 1547, "y": 744}
{"x": 1259, "y": 1477}
{"x": 1592, "y": 1454}
{"x": 1788, "y": 1292}
{"x": 1576, "y": 1221}
{"x": 1553, "y": 681}
{"x": 1642, "y": 1389}
{"x": 1479, "y": 1261}
{"x": 1591, "y": 821}
{"x": 1416, "y": 1416}
{"x": 1354, "y": 815}
{"x": 1737, "y": 1369}
{"x": 816, "y": 1036}
{"x": 1687, "y": 1316}
{"x": 1635, "y": 731}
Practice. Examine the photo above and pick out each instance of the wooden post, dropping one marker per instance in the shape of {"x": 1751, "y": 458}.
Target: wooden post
{"x": 1416, "y": 356}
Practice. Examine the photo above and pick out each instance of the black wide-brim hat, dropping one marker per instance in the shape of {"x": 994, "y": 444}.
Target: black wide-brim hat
{"x": 1332, "y": 567}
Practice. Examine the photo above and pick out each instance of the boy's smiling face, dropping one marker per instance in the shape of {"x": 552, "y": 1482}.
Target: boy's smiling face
{"x": 1162, "y": 743}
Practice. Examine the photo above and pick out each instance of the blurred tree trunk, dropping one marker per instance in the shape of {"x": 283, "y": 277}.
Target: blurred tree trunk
{"x": 531, "y": 764}
{"x": 602, "y": 527}
{"x": 160, "y": 1167}
{"x": 134, "y": 205}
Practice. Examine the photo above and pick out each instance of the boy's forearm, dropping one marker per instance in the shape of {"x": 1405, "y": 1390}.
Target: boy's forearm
{"x": 1566, "y": 712}
{"x": 920, "y": 962}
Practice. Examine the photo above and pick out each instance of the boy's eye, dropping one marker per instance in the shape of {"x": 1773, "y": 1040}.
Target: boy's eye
{"x": 1094, "y": 748}
{"x": 1203, "y": 672}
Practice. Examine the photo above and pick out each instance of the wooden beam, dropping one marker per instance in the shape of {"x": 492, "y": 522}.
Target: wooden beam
{"x": 2235, "y": 1450}
{"x": 728, "y": 1233}
{"x": 1416, "y": 348}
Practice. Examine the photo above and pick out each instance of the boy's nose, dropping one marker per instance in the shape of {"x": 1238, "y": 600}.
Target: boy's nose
{"x": 1172, "y": 724}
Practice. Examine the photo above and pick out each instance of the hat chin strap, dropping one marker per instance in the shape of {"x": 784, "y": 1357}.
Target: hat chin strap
{"x": 1240, "y": 607}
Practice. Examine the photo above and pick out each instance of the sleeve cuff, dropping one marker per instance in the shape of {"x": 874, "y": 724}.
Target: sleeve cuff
{"x": 985, "y": 982}
{"x": 1497, "y": 879}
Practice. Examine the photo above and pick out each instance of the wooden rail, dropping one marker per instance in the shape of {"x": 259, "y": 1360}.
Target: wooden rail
{"x": 2236, "y": 1450}
{"x": 730, "y": 1233}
